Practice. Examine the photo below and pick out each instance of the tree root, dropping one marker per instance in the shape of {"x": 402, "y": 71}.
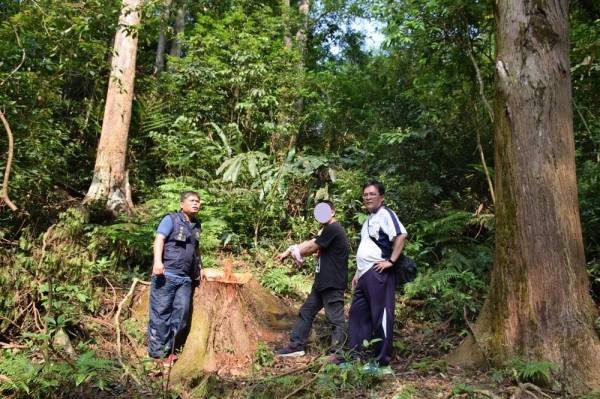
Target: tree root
{"x": 486, "y": 392}
{"x": 527, "y": 388}
{"x": 485, "y": 356}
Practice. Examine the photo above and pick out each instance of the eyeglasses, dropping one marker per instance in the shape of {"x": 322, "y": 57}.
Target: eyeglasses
{"x": 370, "y": 195}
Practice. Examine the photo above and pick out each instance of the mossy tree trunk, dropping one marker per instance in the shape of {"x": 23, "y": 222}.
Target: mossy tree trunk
{"x": 538, "y": 306}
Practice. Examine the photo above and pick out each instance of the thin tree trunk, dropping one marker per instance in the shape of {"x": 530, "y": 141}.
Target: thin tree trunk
{"x": 285, "y": 14}
{"x": 110, "y": 182}
{"x": 179, "y": 29}
{"x": 538, "y": 306}
{"x": 159, "y": 64}
{"x": 304, "y": 7}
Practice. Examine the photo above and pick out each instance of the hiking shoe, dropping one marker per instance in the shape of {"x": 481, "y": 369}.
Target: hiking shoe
{"x": 170, "y": 360}
{"x": 167, "y": 361}
{"x": 333, "y": 359}
{"x": 375, "y": 369}
{"x": 290, "y": 351}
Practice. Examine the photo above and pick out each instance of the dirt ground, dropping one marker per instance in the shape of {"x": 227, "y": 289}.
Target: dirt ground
{"x": 419, "y": 369}
{"x": 230, "y": 354}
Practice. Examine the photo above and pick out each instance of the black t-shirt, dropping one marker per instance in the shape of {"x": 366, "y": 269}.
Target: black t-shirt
{"x": 332, "y": 264}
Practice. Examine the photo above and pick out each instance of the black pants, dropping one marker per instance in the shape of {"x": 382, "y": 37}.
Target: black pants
{"x": 372, "y": 314}
{"x": 332, "y": 300}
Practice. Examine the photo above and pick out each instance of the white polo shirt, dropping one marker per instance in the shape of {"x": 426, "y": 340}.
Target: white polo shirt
{"x": 383, "y": 225}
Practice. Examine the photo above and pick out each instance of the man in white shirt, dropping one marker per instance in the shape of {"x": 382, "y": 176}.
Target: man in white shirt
{"x": 373, "y": 304}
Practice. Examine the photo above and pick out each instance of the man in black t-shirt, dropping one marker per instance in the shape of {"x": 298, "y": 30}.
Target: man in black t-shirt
{"x": 331, "y": 279}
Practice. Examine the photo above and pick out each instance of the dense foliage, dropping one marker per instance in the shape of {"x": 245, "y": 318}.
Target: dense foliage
{"x": 263, "y": 131}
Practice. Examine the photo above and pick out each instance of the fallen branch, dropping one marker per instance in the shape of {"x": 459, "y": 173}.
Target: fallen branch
{"x": 6, "y": 345}
{"x": 111, "y": 325}
{"x": 118, "y": 326}
{"x": 303, "y": 386}
{"x": 4, "y": 193}
{"x": 409, "y": 361}
{"x": 486, "y": 392}
{"x": 114, "y": 293}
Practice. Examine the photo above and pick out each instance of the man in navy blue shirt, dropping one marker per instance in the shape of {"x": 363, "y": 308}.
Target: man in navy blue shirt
{"x": 176, "y": 264}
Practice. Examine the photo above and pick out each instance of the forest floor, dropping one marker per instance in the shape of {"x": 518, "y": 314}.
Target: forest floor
{"x": 420, "y": 371}
{"x": 419, "y": 368}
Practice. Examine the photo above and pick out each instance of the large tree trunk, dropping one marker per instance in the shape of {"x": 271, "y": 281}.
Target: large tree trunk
{"x": 538, "y": 306}
{"x": 231, "y": 314}
{"x": 110, "y": 181}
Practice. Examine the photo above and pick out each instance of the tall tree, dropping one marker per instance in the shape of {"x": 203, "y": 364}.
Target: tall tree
{"x": 178, "y": 29}
{"x": 538, "y": 306}
{"x": 110, "y": 181}
{"x": 285, "y": 15}
{"x": 159, "y": 63}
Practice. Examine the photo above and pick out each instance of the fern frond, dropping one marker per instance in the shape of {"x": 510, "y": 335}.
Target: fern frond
{"x": 280, "y": 281}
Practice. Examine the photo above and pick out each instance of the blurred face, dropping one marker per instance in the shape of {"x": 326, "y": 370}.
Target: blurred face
{"x": 190, "y": 206}
{"x": 371, "y": 198}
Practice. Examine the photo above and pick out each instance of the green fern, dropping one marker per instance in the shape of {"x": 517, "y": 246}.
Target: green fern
{"x": 152, "y": 114}
{"x": 19, "y": 373}
{"x": 447, "y": 290}
{"x": 94, "y": 369}
{"x": 279, "y": 280}
{"x": 446, "y": 228}
{"x": 532, "y": 371}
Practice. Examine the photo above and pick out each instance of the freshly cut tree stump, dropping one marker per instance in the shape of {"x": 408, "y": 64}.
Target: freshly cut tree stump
{"x": 231, "y": 314}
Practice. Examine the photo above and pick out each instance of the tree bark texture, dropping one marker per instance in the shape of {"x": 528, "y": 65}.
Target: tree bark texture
{"x": 110, "y": 181}
{"x": 231, "y": 314}
{"x": 538, "y": 307}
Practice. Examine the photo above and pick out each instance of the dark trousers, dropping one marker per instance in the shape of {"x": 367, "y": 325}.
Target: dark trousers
{"x": 372, "y": 315}
{"x": 332, "y": 300}
{"x": 169, "y": 311}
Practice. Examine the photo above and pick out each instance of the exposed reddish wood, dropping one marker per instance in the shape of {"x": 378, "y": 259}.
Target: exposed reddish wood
{"x": 231, "y": 314}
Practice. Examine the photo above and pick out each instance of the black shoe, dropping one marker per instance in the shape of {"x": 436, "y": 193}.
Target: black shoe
{"x": 290, "y": 351}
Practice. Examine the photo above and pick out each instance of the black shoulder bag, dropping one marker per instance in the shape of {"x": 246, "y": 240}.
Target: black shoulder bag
{"x": 405, "y": 268}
